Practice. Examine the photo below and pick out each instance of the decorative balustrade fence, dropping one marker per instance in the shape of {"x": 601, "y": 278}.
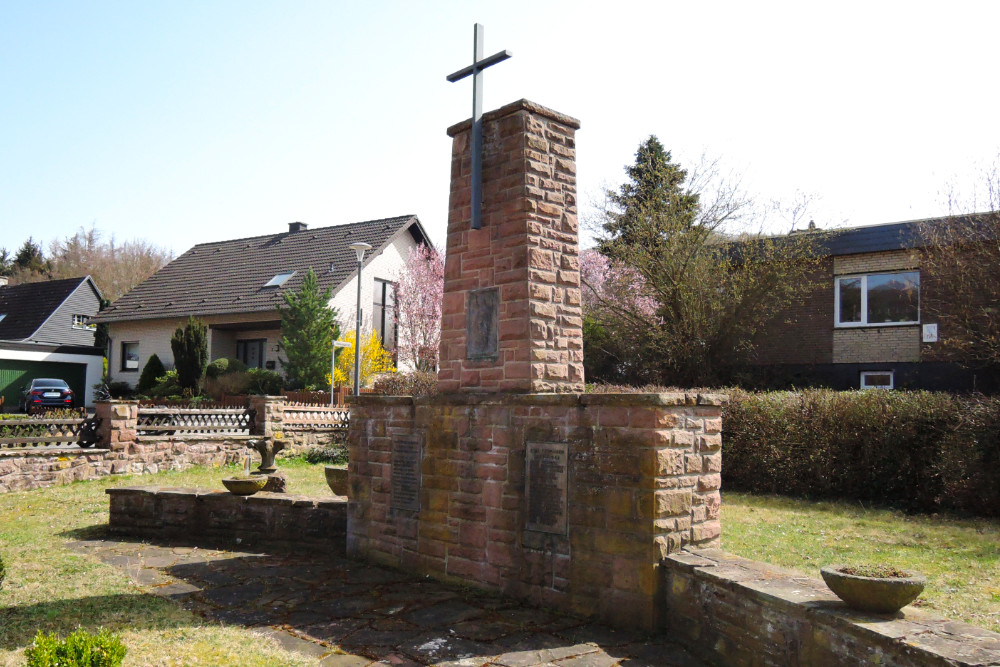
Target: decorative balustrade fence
{"x": 42, "y": 432}
{"x": 173, "y": 421}
{"x": 305, "y": 416}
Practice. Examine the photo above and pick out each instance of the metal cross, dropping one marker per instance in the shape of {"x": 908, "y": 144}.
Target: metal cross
{"x": 476, "y": 70}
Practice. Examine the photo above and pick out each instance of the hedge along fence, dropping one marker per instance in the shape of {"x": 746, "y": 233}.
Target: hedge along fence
{"x": 918, "y": 451}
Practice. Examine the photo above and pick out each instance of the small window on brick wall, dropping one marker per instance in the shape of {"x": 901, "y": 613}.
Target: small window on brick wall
{"x": 877, "y": 299}
{"x": 876, "y": 379}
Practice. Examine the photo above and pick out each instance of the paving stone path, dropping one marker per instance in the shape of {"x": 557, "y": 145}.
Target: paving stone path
{"x": 347, "y": 613}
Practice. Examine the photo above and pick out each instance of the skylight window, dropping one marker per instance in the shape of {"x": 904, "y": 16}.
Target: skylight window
{"x": 2, "y": 315}
{"x": 279, "y": 279}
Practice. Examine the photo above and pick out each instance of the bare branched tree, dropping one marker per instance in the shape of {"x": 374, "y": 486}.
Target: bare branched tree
{"x": 960, "y": 273}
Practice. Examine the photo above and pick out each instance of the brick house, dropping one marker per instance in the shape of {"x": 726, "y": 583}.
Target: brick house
{"x": 862, "y": 326}
{"x": 46, "y": 331}
{"x": 236, "y": 287}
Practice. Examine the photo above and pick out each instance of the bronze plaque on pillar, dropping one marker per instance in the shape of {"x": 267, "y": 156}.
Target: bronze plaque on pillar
{"x": 482, "y": 331}
{"x": 405, "y": 470}
{"x": 546, "y": 468}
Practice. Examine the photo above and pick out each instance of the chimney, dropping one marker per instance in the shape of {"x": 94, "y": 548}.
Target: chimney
{"x": 296, "y": 227}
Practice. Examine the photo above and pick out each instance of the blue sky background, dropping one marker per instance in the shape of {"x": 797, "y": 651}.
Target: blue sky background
{"x": 183, "y": 122}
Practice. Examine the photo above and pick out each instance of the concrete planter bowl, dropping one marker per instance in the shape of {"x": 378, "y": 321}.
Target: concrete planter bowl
{"x": 882, "y": 595}
{"x": 336, "y": 479}
{"x": 244, "y": 486}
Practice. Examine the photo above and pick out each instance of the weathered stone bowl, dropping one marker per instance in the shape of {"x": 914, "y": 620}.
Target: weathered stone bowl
{"x": 336, "y": 479}
{"x": 882, "y": 595}
{"x": 244, "y": 486}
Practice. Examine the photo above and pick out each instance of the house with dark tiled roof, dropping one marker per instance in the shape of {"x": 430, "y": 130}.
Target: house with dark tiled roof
{"x": 46, "y": 332}
{"x": 236, "y": 288}
{"x": 862, "y": 326}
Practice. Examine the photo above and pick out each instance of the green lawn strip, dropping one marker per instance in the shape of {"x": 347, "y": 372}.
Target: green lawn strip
{"x": 960, "y": 557}
{"x": 53, "y": 589}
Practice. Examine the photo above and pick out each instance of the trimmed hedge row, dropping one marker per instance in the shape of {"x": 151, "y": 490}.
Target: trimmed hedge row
{"x": 914, "y": 450}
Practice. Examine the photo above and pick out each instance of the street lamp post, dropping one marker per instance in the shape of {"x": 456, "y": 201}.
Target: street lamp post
{"x": 359, "y": 248}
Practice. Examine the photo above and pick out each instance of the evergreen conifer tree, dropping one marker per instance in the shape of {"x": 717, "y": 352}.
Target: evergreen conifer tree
{"x": 308, "y": 329}
{"x": 190, "y": 347}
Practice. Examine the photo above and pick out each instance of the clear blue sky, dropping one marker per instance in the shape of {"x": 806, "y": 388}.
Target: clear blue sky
{"x": 182, "y": 122}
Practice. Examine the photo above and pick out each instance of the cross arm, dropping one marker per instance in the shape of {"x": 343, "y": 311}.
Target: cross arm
{"x": 498, "y": 57}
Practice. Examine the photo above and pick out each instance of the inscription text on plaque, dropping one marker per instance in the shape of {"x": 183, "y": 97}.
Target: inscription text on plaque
{"x": 546, "y": 466}
{"x": 482, "y": 333}
{"x": 405, "y": 466}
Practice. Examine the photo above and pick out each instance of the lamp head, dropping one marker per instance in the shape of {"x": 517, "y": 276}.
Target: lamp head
{"x": 359, "y": 248}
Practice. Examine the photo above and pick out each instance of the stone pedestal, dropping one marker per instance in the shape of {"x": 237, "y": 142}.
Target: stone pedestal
{"x": 512, "y": 319}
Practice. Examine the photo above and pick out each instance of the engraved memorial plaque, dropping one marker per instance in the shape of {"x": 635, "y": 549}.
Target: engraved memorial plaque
{"x": 405, "y": 469}
{"x": 482, "y": 335}
{"x": 546, "y": 486}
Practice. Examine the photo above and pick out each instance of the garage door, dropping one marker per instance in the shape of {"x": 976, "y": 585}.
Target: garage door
{"x": 15, "y": 373}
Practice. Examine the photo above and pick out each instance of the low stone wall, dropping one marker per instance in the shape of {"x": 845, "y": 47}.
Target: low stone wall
{"x": 276, "y": 520}
{"x": 23, "y": 470}
{"x": 732, "y": 611}
{"x": 639, "y": 479}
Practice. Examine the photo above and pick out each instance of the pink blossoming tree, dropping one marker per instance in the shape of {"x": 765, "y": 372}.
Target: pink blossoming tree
{"x": 419, "y": 295}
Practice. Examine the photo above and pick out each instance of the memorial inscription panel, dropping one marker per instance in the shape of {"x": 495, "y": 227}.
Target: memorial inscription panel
{"x": 405, "y": 470}
{"x": 482, "y": 339}
{"x": 546, "y": 467}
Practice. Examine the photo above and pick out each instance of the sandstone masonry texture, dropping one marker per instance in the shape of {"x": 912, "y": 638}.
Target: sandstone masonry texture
{"x": 527, "y": 248}
{"x": 642, "y": 482}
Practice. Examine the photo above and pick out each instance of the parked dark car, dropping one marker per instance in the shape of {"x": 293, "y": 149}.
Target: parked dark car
{"x": 44, "y": 393}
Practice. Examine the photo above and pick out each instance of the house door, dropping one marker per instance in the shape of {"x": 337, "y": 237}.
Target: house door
{"x": 251, "y": 352}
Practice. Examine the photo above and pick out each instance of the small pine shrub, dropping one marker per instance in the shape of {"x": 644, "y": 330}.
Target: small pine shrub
{"x": 166, "y": 385}
{"x": 407, "y": 384}
{"x": 147, "y": 379}
{"x": 79, "y": 649}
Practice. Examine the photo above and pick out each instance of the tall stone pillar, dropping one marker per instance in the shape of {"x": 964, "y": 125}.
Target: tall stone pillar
{"x": 512, "y": 319}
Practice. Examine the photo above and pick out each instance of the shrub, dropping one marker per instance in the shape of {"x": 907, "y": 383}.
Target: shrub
{"x": 3, "y": 573}
{"x": 224, "y": 366}
{"x": 333, "y": 454}
{"x": 915, "y": 450}
{"x": 407, "y": 384}
{"x": 167, "y": 385}
{"x": 120, "y": 390}
{"x": 266, "y": 382}
{"x": 228, "y": 383}
{"x": 190, "y": 347}
{"x": 79, "y": 649}
{"x": 147, "y": 379}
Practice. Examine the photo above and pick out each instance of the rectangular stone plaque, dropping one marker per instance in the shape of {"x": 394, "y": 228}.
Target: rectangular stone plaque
{"x": 546, "y": 467}
{"x": 405, "y": 470}
{"x": 482, "y": 331}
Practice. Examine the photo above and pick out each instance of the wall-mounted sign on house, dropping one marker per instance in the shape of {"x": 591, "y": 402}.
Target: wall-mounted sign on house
{"x": 236, "y": 287}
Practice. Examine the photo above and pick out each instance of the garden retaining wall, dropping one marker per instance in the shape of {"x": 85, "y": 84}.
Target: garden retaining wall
{"x": 277, "y": 520}
{"x": 122, "y": 450}
{"x": 733, "y": 611}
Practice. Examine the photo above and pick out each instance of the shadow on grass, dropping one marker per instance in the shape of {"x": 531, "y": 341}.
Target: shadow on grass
{"x": 20, "y": 624}
{"x": 98, "y": 531}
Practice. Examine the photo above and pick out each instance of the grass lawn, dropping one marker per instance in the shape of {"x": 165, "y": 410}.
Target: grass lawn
{"x": 960, "y": 557}
{"x": 53, "y": 589}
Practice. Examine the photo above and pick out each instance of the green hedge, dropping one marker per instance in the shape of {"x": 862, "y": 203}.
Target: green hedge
{"x": 918, "y": 451}
{"x": 79, "y": 649}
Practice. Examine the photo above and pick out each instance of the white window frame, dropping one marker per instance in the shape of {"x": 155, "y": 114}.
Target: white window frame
{"x": 80, "y": 322}
{"x": 866, "y": 374}
{"x": 864, "y": 300}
